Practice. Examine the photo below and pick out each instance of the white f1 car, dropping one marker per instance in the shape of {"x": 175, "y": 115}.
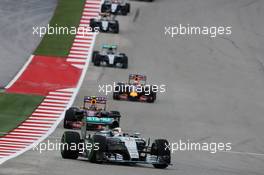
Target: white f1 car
{"x": 110, "y": 57}
{"x": 105, "y": 23}
{"x": 114, "y": 146}
{"x": 116, "y": 7}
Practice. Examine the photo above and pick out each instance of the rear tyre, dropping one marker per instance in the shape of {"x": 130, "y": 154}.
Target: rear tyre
{"x": 124, "y": 11}
{"x": 95, "y": 54}
{"x": 160, "y": 148}
{"x": 116, "y": 114}
{"x": 97, "y": 60}
{"x": 128, "y": 7}
{"x": 92, "y": 25}
{"x": 116, "y": 27}
{"x": 115, "y": 95}
{"x": 125, "y": 62}
{"x": 104, "y": 8}
{"x": 118, "y": 89}
{"x": 68, "y": 139}
{"x": 151, "y": 98}
{"x": 115, "y": 124}
{"x": 69, "y": 117}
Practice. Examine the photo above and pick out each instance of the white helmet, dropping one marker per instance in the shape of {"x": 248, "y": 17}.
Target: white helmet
{"x": 117, "y": 131}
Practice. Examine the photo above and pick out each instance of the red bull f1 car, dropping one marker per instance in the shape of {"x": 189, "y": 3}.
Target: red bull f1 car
{"x": 135, "y": 90}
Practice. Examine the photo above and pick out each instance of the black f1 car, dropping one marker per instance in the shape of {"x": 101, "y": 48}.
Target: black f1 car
{"x": 114, "y": 146}
{"x": 135, "y": 90}
{"x": 116, "y": 7}
{"x": 110, "y": 57}
{"x": 105, "y": 23}
{"x": 94, "y": 113}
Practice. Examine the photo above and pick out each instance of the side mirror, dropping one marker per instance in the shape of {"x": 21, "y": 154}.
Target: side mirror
{"x": 88, "y": 136}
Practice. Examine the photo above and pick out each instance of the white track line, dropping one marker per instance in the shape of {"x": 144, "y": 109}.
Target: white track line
{"x": 58, "y": 97}
{"x": 20, "y": 72}
{"x": 79, "y": 66}
{"x": 56, "y": 101}
{"x": 29, "y": 127}
{"x": 44, "y": 114}
{"x": 69, "y": 90}
{"x": 53, "y": 104}
{"x": 52, "y": 108}
{"x": 59, "y": 93}
{"x": 81, "y": 48}
{"x": 48, "y": 111}
{"x": 76, "y": 60}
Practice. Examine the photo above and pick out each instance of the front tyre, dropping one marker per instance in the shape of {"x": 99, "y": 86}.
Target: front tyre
{"x": 69, "y": 141}
{"x": 97, "y": 60}
{"x": 99, "y": 147}
{"x": 160, "y": 148}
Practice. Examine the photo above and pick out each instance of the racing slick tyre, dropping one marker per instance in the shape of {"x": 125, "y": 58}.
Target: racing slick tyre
{"x": 97, "y": 61}
{"x": 116, "y": 27}
{"x": 69, "y": 117}
{"x": 128, "y": 7}
{"x": 94, "y": 56}
{"x": 96, "y": 155}
{"x": 104, "y": 8}
{"x": 68, "y": 139}
{"x": 92, "y": 25}
{"x": 115, "y": 95}
{"x": 151, "y": 97}
{"x": 116, "y": 114}
{"x": 124, "y": 11}
{"x": 125, "y": 64}
{"x": 115, "y": 124}
{"x": 160, "y": 148}
{"x": 124, "y": 61}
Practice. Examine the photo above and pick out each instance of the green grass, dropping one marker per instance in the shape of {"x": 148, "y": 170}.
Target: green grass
{"x": 67, "y": 14}
{"x": 15, "y": 108}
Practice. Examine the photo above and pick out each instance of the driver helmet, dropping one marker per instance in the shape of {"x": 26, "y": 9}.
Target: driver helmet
{"x": 117, "y": 131}
{"x": 93, "y": 107}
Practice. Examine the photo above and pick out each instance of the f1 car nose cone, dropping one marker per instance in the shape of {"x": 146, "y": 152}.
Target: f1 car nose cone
{"x": 133, "y": 94}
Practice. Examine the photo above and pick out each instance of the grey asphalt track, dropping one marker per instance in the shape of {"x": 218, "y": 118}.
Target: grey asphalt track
{"x": 16, "y": 39}
{"x": 214, "y": 90}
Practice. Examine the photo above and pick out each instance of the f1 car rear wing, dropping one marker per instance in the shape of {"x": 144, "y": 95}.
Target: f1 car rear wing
{"x": 137, "y": 79}
{"x": 94, "y": 101}
{"x": 109, "y": 46}
{"x": 107, "y": 15}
